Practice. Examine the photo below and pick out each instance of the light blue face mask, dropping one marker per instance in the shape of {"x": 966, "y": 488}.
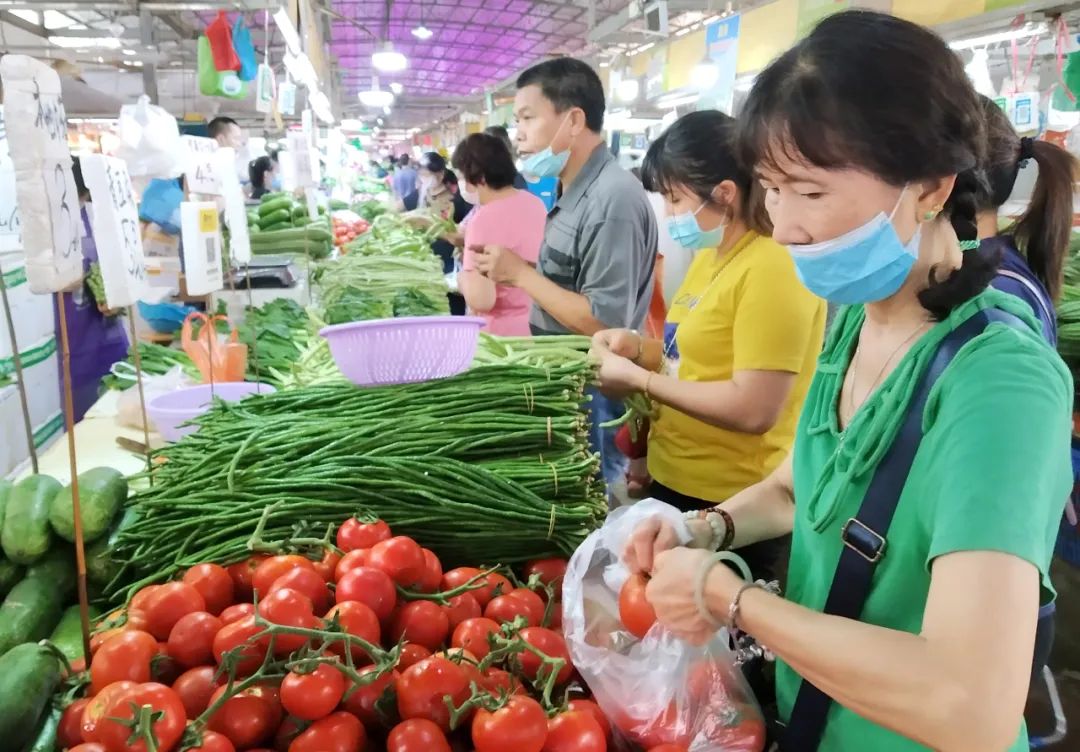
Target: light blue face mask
{"x": 546, "y": 163}
{"x": 685, "y": 230}
{"x": 275, "y": 183}
{"x": 866, "y": 265}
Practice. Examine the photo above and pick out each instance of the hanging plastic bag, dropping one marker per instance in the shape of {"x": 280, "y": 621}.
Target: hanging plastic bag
{"x": 220, "y": 37}
{"x": 128, "y": 407}
{"x": 212, "y": 82}
{"x": 149, "y": 140}
{"x": 245, "y": 50}
{"x": 657, "y": 690}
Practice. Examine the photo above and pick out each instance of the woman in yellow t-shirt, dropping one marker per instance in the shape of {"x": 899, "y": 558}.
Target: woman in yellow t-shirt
{"x": 741, "y": 338}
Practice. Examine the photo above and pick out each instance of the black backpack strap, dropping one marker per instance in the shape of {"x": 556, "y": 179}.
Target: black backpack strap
{"x": 865, "y": 535}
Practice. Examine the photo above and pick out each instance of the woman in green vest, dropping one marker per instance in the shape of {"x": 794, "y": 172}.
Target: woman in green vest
{"x": 866, "y": 136}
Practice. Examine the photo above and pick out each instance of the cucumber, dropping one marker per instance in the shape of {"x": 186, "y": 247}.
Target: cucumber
{"x": 101, "y": 568}
{"x": 273, "y": 196}
{"x": 102, "y": 490}
{"x": 5, "y": 494}
{"x": 47, "y": 732}
{"x": 26, "y": 535}
{"x": 58, "y": 569}
{"x": 29, "y": 674}
{"x": 10, "y": 574}
{"x": 274, "y": 217}
{"x": 30, "y": 612}
{"x": 67, "y": 636}
{"x": 316, "y": 231}
{"x": 253, "y": 217}
{"x": 281, "y": 203}
{"x": 277, "y": 226}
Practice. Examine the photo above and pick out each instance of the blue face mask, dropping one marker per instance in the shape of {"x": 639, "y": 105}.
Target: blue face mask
{"x": 685, "y": 230}
{"x": 866, "y": 265}
{"x": 546, "y": 163}
{"x": 275, "y": 183}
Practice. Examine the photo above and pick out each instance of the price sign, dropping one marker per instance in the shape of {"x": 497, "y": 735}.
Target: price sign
{"x": 201, "y": 235}
{"x": 312, "y": 197}
{"x": 44, "y": 187}
{"x": 200, "y": 167}
{"x": 235, "y": 210}
{"x": 301, "y": 155}
{"x": 10, "y": 221}
{"x": 264, "y": 88}
{"x": 286, "y": 98}
{"x": 116, "y": 229}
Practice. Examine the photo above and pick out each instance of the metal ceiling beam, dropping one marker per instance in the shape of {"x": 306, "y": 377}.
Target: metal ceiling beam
{"x": 37, "y": 30}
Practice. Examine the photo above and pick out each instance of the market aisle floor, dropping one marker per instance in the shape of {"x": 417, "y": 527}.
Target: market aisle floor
{"x": 1065, "y": 660}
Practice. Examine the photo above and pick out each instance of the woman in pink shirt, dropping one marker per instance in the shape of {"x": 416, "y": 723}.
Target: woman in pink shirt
{"x": 504, "y": 216}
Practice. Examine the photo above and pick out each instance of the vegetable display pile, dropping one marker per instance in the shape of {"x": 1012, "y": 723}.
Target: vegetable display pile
{"x": 282, "y": 225}
{"x": 156, "y": 360}
{"x": 1068, "y": 311}
{"x": 393, "y": 235}
{"x": 360, "y": 288}
{"x": 371, "y": 209}
{"x": 496, "y": 459}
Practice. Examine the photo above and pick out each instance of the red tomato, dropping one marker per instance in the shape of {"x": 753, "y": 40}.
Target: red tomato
{"x": 288, "y": 608}
{"x": 327, "y": 566}
{"x": 247, "y": 719}
{"x": 169, "y": 719}
{"x": 499, "y": 682}
{"x": 519, "y": 726}
{"x": 575, "y": 731}
{"x": 312, "y": 696}
{"x": 635, "y": 611}
{"x": 461, "y": 607}
{"x": 668, "y": 748}
{"x": 140, "y": 600}
{"x": 472, "y": 635}
{"x": 354, "y": 534}
{"x": 191, "y": 641}
{"x": 167, "y": 604}
{"x": 358, "y": 620}
{"x": 421, "y": 690}
{"x": 195, "y": 687}
{"x": 99, "y": 703}
{"x": 350, "y": 561}
{"x": 417, "y": 735}
{"x": 237, "y": 612}
{"x": 339, "y": 732}
{"x": 432, "y": 577}
{"x": 69, "y": 732}
{"x": 126, "y": 656}
{"x": 550, "y": 644}
{"x": 241, "y": 634}
{"x": 306, "y": 582}
{"x": 276, "y": 566}
{"x": 214, "y": 742}
{"x": 519, "y": 602}
{"x": 411, "y": 655}
{"x": 372, "y": 587}
{"x": 401, "y": 558}
{"x": 214, "y": 585}
{"x": 164, "y": 669}
{"x": 423, "y": 623}
{"x": 551, "y": 571}
{"x": 242, "y": 573}
{"x": 591, "y": 707}
{"x": 361, "y": 702}
{"x": 491, "y": 585}
{"x": 88, "y": 747}
{"x": 289, "y": 729}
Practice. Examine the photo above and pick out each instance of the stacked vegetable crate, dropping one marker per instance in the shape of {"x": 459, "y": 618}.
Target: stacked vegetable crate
{"x": 283, "y": 225}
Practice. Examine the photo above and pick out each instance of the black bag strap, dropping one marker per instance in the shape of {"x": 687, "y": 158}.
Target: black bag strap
{"x": 865, "y": 535}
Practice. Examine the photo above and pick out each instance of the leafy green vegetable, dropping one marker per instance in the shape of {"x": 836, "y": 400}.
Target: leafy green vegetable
{"x": 358, "y": 305}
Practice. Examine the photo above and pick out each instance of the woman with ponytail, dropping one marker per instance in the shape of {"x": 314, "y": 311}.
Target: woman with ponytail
{"x": 931, "y": 460}
{"x": 1033, "y": 248}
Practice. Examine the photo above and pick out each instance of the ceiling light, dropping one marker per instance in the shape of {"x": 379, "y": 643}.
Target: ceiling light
{"x": 423, "y": 33}
{"x": 386, "y": 110}
{"x": 1028, "y": 30}
{"x": 388, "y": 59}
{"x": 396, "y": 87}
{"x": 376, "y": 97}
{"x": 108, "y": 43}
{"x": 628, "y": 89}
{"x": 379, "y": 121}
{"x": 129, "y": 53}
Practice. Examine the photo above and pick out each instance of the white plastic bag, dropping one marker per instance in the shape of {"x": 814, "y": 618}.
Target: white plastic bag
{"x": 128, "y": 409}
{"x": 150, "y": 141}
{"x": 658, "y": 690}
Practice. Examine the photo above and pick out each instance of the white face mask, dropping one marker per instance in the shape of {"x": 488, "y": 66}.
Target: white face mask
{"x": 469, "y": 193}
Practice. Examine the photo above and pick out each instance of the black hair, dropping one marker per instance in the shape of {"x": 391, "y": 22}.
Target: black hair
{"x": 80, "y": 184}
{"x": 219, "y": 125}
{"x": 870, "y": 91}
{"x": 432, "y": 161}
{"x": 698, "y": 153}
{"x": 484, "y": 159}
{"x": 403, "y": 160}
{"x": 257, "y": 171}
{"x": 1042, "y": 234}
{"x": 500, "y": 132}
{"x": 569, "y": 83}
{"x": 449, "y": 178}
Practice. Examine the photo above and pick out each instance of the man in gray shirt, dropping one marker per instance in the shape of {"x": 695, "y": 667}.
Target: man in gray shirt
{"x": 404, "y": 180}
{"x": 596, "y": 265}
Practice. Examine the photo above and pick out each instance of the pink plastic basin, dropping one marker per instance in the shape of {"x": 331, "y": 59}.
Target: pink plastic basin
{"x": 168, "y": 411}
{"x": 404, "y": 350}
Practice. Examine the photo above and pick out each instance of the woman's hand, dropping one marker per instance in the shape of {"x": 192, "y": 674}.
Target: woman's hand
{"x": 655, "y": 536}
{"x": 671, "y": 593}
{"x": 618, "y": 375}
{"x": 623, "y": 342}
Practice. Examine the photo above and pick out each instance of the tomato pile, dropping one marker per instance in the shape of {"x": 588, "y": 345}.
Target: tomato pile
{"x": 347, "y": 226}
{"x": 372, "y": 646}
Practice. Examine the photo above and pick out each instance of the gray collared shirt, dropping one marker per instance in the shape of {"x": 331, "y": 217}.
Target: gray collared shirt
{"x": 600, "y": 241}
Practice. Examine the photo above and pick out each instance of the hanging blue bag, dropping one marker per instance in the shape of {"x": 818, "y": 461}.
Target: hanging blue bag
{"x": 245, "y": 49}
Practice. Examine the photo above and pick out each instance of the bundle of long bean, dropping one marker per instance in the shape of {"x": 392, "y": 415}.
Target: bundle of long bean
{"x": 491, "y": 465}
{"x": 383, "y": 277}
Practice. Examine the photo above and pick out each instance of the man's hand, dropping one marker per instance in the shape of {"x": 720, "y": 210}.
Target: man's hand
{"x": 623, "y": 342}
{"x": 501, "y": 265}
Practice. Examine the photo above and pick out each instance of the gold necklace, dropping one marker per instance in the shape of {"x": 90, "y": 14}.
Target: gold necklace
{"x": 874, "y": 384}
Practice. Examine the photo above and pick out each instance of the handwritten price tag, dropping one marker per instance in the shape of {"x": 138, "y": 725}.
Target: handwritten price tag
{"x": 235, "y": 210}
{"x": 201, "y": 235}
{"x": 200, "y": 168}
{"x": 44, "y": 187}
{"x": 10, "y": 220}
{"x": 116, "y": 229}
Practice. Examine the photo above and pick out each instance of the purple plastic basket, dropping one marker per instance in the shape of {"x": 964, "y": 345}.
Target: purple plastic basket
{"x": 404, "y": 350}
{"x": 168, "y": 411}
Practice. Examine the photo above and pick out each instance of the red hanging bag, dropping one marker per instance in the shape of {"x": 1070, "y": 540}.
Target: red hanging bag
{"x": 221, "y": 44}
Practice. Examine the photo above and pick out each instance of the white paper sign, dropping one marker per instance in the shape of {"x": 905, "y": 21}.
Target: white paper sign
{"x": 116, "y": 229}
{"x": 301, "y": 155}
{"x": 1023, "y": 111}
{"x": 201, "y": 235}
{"x": 200, "y": 167}
{"x": 312, "y": 197}
{"x": 44, "y": 187}
{"x": 235, "y": 210}
{"x": 286, "y": 98}
{"x": 264, "y": 88}
{"x": 10, "y": 221}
